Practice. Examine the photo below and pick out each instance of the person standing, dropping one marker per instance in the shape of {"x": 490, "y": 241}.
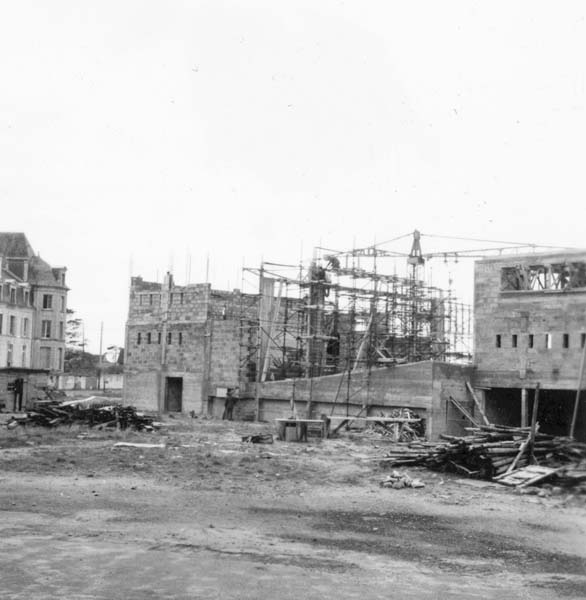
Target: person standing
{"x": 18, "y": 392}
{"x": 229, "y": 405}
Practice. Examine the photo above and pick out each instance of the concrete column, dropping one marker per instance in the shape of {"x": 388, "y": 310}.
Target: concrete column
{"x": 524, "y": 407}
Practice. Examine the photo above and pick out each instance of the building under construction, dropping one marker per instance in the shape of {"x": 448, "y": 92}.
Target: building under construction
{"x": 343, "y": 313}
{"x": 339, "y": 335}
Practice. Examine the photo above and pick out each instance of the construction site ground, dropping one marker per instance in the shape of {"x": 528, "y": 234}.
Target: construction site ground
{"x": 208, "y": 516}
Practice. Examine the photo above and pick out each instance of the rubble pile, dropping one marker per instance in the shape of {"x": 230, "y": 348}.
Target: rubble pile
{"x": 411, "y": 429}
{"x": 397, "y": 481}
{"x": 489, "y": 451}
{"x": 266, "y": 438}
{"x": 50, "y": 413}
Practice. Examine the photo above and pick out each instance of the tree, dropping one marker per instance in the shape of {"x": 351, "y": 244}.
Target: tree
{"x": 74, "y": 332}
{"x": 77, "y": 360}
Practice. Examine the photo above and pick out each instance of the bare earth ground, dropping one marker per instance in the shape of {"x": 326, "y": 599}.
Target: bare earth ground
{"x": 211, "y": 517}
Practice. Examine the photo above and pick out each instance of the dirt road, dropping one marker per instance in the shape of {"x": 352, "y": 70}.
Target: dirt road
{"x": 209, "y": 517}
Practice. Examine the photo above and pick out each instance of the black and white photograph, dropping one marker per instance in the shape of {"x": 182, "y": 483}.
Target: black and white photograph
{"x": 292, "y": 300}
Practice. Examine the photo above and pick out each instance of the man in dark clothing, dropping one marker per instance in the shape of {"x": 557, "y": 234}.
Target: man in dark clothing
{"x": 18, "y": 387}
{"x": 229, "y": 405}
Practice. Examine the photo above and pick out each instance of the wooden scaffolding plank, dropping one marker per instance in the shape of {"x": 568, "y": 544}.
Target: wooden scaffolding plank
{"x": 477, "y": 403}
{"x": 463, "y": 411}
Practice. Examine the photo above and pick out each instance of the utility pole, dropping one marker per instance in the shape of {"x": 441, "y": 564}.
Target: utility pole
{"x": 100, "y": 379}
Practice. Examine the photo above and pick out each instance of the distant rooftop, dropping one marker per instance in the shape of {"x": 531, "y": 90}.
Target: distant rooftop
{"x": 15, "y": 245}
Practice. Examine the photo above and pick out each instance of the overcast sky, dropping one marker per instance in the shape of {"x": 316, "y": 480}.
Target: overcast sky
{"x": 153, "y": 129}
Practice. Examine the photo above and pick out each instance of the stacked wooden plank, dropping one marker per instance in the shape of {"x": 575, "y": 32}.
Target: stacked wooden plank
{"x": 49, "y": 413}
{"x": 489, "y": 451}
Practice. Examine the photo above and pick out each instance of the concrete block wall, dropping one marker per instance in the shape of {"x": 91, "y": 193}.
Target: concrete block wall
{"x": 145, "y": 390}
{"x": 524, "y": 313}
{"x": 204, "y": 351}
{"x": 189, "y": 355}
{"x": 141, "y": 389}
{"x": 150, "y": 301}
{"x": 225, "y": 358}
{"x": 143, "y": 354}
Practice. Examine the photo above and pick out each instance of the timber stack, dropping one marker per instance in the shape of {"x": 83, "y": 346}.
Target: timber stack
{"x": 488, "y": 452}
{"x": 50, "y": 413}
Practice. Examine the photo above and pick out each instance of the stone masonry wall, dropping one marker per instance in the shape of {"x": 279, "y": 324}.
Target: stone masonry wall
{"x": 525, "y": 313}
{"x": 225, "y": 354}
{"x": 189, "y": 332}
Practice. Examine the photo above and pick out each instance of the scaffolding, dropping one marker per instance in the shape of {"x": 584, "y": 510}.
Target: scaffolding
{"x": 340, "y": 313}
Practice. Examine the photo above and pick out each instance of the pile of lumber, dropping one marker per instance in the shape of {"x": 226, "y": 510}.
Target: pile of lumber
{"x": 489, "y": 451}
{"x": 49, "y": 413}
{"x": 408, "y": 426}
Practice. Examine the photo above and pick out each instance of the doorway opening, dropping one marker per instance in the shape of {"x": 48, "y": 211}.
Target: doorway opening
{"x": 174, "y": 394}
{"x": 503, "y": 407}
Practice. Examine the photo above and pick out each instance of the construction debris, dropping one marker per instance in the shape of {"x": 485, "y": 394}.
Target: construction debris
{"x": 258, "y": 439}
{"x": 398, "y": 480}
{"x": 490, "y": 452}
{"x": 399, "y": 425}
{"x": 50, "y": 413}
{"x": 527, "y": 476}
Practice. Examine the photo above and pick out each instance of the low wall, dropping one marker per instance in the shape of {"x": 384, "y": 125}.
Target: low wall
{"x": 423, "y": 387}
{"x": 112, "y": 381}
{"x": 402, "y": 385}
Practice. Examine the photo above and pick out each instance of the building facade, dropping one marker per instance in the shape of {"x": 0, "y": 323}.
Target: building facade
{"x": 529, "y": 329}
{"x": 33, "y": 305}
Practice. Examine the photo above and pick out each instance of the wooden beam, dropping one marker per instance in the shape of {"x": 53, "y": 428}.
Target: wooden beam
{"x": 379, "y": 419}
{"x": 518, "y": 457}
{"x": 363, "y": 343}
{"x": 534, "y": 424}
{"x": 463, "y": 411}
{"x": 577, "y": 400}
{"x": 344, "y": 421}
{"x": 477, "y": 403}
{"x": 275, "y": 314}
{"x": 524, "y": 407}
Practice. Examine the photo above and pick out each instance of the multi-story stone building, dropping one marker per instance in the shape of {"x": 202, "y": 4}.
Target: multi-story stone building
{"x": 529, "y": 329}
{"x": 33, "y": 305}
{"x": 181, "y": 342}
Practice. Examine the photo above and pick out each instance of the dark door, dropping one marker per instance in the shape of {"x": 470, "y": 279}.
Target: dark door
{"x": 173, "y": 394}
